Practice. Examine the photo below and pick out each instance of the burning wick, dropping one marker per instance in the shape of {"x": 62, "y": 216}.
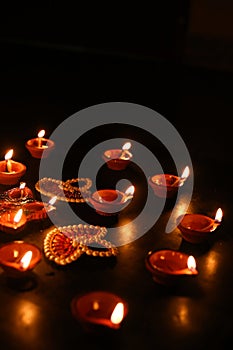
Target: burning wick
{"x": 118, "y": 313}
{"x": 182, "y": 178}
{"x": 128, "y": 193}
{"x": 125, "y": 148}
{"x": 191, "y": 263}
{"x": 215, "y": 223}
{"x": 18, "y": 216}
{"x": 41, "y": 134}
{"x": 21, "y": 186}
{"x": 25, "y": 261}
{"x": 8, "y": 157}
{"x": 51, "y": 203}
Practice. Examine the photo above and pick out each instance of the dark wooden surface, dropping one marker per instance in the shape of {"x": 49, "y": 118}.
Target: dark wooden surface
{"x": 39, "y": 89}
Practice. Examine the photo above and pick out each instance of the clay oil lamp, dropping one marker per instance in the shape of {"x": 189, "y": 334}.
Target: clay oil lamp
{"x": 167, "y": 185}
{"x": 12, "y": 221}
{"x": 10, "y": 170}
{"x": 118, "y": 159}
{"x": 17, "y": 258}
{"x": 197, "y": 228}
{"x": 169, "y": 267}
{"x": 36, "y": 210}
{"x": 40, "y": 147}
{"x": 19, "y": 195}
{"x": 109, "y": 202}
{"x": 99, "y": 310}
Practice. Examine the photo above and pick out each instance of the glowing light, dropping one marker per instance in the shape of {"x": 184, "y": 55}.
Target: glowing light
{"x": 118, "y": 313}
{"x": 18, "y": 215}
{"x": 185, "y": 173}
{"x": 219, "y": 215}
{"x": 26, "y": 259}
{"x": 9, "y": 154}
{"x": 126, "y": 146}
{"x": 191, "y": 263}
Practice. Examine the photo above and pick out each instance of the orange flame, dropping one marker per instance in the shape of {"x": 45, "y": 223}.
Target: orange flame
{"x": 118, "y": 313}
{"x": 18, "y": 215}
{"x": 191, "y": 263}
{"x": 126, "y": 146}
{"x": 22, "y": 185}
{"x": 41, "y": 133}
{"x": 26, "y": 259}
{"x": 9, "y": 154}
{"x": 185, "y": 173}
{"x": 130, "y": 190}
{"x": 219, "y": 215}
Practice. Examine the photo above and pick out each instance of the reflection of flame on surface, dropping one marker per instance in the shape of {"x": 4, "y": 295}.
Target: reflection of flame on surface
{"x": 26, "y": 259}
{"x": 9, "y": 154}
{"x": 41, "y": 133}
{"x": 130, "y": 190}
{"x": 219, "y": 215}
{"x": 18, "y": 215}
{"x": 191, "y": 263}
{"x": 126, "y": 146}
{"x": 118, "y": 313}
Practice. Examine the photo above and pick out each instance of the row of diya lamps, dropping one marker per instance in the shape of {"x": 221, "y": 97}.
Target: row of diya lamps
{"x": 168, "y": 267}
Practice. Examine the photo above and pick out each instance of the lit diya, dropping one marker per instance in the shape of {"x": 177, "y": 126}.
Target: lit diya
{"x": 99, "y": 310}
{"x": 40, "y": 147}
{"x": 109, "y": 202}
{"x": 17, "y": 258}
{"x": 169, "y": 267}
{"x": 118, "y": 159}
{"x": 196, "y": 228}
{"x": 18, "y": 195}
{"x": 12, "y": 221}
{"x": 36, "y": 210}
{"x": 166, "y": 185}
{"x": 11, "y": 171}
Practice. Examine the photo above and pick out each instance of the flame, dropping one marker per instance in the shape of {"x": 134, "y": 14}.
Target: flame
{"x": 126, "y": 146}
{"x": 41, "y": 133}
{"x": 96, "y": 305}
{"x": 191, "y": 263}
{"x": 18, "y": 215}
{"x": 9, "y": 154}
{"x": 219, "y": 215}
{"x": 118, "y": 313}
{"x": 22, "y": 185}
{"x": 15, "y": 253}
{"x": 53, "y": 200}
{"x": 185, "y": 173}
{"x": 130, "y": 190}
{"x": 26, "y": 259}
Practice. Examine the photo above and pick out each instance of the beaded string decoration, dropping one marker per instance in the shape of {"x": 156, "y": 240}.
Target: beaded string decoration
{"x": 67, "y": 243}
{"x": 65, "y": 190}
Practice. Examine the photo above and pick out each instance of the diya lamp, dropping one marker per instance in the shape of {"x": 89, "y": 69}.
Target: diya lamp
{"x": 197, "y": 228}
{"x": 40, "y": 147}
{"x": 169, "y": 267}
{"x": 11, "y": 171}
{"x": 18, "y": 258}
{"x": 36, "y": 210}
{"x": 109, "y": 202}
{"x": 167, "y": 185}
{"x": 18, "y": 195}
{"x": 99, "y": 310}
{"x": 118, "y": 159}
{"x": 12, "y": 221}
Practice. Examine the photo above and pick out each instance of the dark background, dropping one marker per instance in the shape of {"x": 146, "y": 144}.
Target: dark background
{"x": 174, "y": 57}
